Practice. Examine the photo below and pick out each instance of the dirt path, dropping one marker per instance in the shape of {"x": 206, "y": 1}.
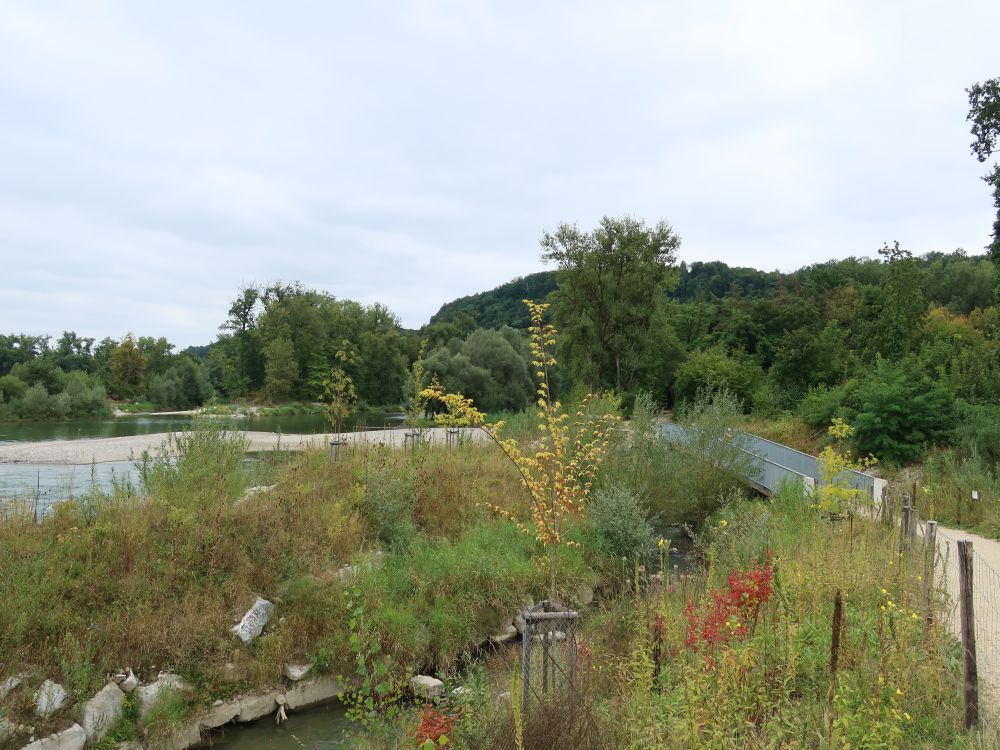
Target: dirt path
{"x": 101, "y": 450}
{"x": 986, "y": 602}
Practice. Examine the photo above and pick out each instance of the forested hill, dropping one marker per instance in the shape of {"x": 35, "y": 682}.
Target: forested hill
{"x": 501, "y": 306}
{"x": 956, "y": 281}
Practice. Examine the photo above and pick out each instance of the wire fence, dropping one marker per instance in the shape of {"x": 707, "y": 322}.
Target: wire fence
{"x": 935, "y": 554}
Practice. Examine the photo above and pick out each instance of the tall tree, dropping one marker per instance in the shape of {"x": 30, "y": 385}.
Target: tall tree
{"x": 984, "y": 114}
{"x": 127, "y": 368}
{"x": 612, "y": 281}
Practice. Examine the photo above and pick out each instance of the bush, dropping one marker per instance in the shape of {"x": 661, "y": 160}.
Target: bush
{"x": 618, "y": 526}
{"x": 978, "y": 430}
{"x": 184, "y": 386}
{"x": 389, "y": 498}
{"x": 715, "y": 369}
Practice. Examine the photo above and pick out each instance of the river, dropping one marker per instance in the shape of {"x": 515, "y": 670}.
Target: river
{"x": 46, "y": 482}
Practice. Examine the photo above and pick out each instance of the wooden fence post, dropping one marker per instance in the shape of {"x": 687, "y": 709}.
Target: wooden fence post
{"x": 838, "y": 616}
{"x": 931, "y": 552}
{"x": 904, "y": 525}
{"x": 968, "y": 634}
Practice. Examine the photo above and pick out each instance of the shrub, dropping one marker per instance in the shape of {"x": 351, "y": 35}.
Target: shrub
{"x": 618, "y": 525}
{"x": 389, "y": 498}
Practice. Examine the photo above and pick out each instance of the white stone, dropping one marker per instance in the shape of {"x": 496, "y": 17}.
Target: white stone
{"x": 73, "y": 738}
{"x": 130, "y": 683}
{"x": 102, "y": 711}
{"x": 150, "y": 695}
{"x": 49, "y": 698}
{"x": 426, "y": 686}
{"x": 130, "y": 745}
{"x": 461, "y": 690}
{"x": 254, "y": 620}
{"x": 519, "y": 623}
{"x": 252, "y": 491}
{"x": 9, "y": 685}
{"x": 296, "y": 672}
{"x": 508, "y": 634}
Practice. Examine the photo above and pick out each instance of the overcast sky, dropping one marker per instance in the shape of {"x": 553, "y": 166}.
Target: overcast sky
{"x": 155, "y": 156}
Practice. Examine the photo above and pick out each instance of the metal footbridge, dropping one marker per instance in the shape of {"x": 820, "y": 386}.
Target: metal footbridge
{"x": 774, "y": 465}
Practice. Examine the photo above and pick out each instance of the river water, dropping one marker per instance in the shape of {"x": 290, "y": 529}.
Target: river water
{"x": 324, "y": 727}
{"x": 44, "y": 483}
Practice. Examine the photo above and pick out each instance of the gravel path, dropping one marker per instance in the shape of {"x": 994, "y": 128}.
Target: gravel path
{"x": 100, "y": 450}
{"x": 986, "y": 603}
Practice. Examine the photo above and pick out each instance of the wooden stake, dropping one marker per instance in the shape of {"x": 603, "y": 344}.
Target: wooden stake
{"x": 968, "y": 634}
{"x": 931, "y": 553}
{"x": 838, "y": 616}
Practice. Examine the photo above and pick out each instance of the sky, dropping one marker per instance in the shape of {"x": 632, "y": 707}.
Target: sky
{"x": 157, "y": 157}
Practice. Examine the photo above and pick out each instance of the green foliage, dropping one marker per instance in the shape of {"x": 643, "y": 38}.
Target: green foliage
{"x": 713, "y": 370}
{"x": 493, "y": 309}
{"x": 977, "y": 430}
{"x": 612, "y": 283}
{"x": 490, "y": 367}
{"x": 984, "y": 114}
{"x": 281, "y": 369}
{"x": 183, "y": 385}
{"x": 127, "y": 367}
{"x": 389, "y": 497}
{"x": 618, "y": 526}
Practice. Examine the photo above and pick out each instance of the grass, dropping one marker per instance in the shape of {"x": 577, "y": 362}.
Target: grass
{"x": 155, "y": 582}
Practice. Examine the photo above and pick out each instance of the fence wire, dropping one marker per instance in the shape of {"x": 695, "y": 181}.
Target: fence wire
{"x": 985, "y": 603}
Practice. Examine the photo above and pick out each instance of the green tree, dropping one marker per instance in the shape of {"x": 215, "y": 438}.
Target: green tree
{"x": 612, "y": 281}
{"x": 984, "y": 114}
{"x": 127, "y": 366}
{"x": 904, "y": 304}
{"x": 714, "y": 370}
{"x": 281, "y": 371}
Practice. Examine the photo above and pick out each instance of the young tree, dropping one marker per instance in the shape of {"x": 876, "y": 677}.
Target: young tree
{"x": 984, "y": 114}
{"x": 338, "y": 388}
{"x": 612, "y": 282}
{"x": 571, "y": 445}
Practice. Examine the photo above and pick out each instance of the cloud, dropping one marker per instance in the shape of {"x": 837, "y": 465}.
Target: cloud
{"x": 157, "y": 157}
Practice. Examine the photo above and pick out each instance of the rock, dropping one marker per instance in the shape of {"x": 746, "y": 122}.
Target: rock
{"x": 280, "y": 699}
{"x": 347, "y": 573}
{"x": 49, "y": 698}
{"x": 255, "y": 706}
{"x": 509, "y": 634}
{"x": 130, "y": 745}
{"x": 218, "y": 702}
{"x": 130, "y": 683}
{"x": 102, "y": 711}
{"x": 519, "y": 623}
{"x": 254, "y": 620}
{"x": 251, "y": 491}
{"x": 150, "y": 695}
{"x": 310, "y": 692}
{"x": 10, "y": 685}
{"x": 73, "y": 738}
{"x": 296, "y": 672}
{"x": 583, "y": 595}
{"x": 220, "y": 714}
{"x": 461, "y": 690}
{"x": 557, "y": 635}
{"x": 426, "y": 686}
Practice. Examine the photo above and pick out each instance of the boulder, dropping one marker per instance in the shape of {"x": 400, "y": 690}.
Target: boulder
{"x": 73, "y": 738}
{"x": 296, "y": 672}
{"x": 253, "y": 622}
{"x": 179, "y": 739}
{"x": 102, "y": 711}
{"x": 10, "y": 684}
{"x": 130, "y": 745}
{"x": 130, "y": 683}
{"x": 425, "y": 686}
{"x": 150, "y": 695}
{"x": 508, "y": 634}
{"x": 49, "y": 698}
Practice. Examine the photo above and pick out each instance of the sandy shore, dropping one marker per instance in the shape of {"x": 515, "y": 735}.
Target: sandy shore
{"x": 100, "y": 450}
